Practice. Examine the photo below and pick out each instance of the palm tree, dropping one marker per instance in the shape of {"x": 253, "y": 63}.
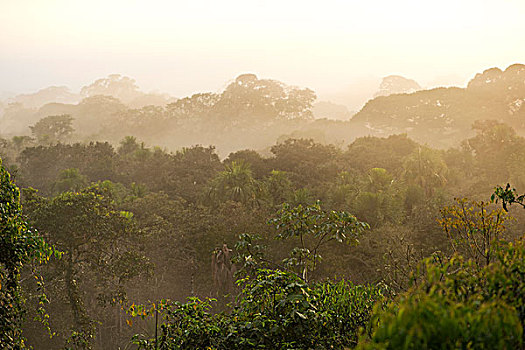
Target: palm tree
{"x": 235, "y": 183}
{"x": 426, "y": 168}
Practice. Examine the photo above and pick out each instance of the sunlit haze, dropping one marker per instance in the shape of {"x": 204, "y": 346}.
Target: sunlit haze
{"x": 182, "y": 47}
{"x": 270, "y": 174}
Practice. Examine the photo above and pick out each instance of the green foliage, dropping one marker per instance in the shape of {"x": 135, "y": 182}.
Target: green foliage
{"x": 498, "y": 150}
{"x": 433, "y": 322}
{"x": 344, "y": 190}
{"x": 508, "y": 196}
{"x": 19, "y": 246}
{"x": 53, "y": 129}
{"x": 186, "y": 325}
{"x": 456, "y": 305}
{"x": 426, "y": 168}
{"x": 308, "y": 163}
{"x": 376, "y": 196}
{"x": 312, "y": 223}
{"x": 70, "y": 180}
{"x": 391, "y": 183}
{"x": 379, "y": 204}
{"x": 370, "y": 152}
{"x": 250, "y": 254}
{"x": 459, "y": 305}
{"x": 258, "y": 164}
{"x": 278, "y": 187}
{"x": 236, "y": 183}
{"x": 21, "y": 141}
{"x": 414, "y": 197}
{"x": 473, "y": 230}
{"x": 128, "y": 145}
{"x": 505, "y": 280}
{"x": 41, "y": 166}
{"x": 99, "y": 256}
{"x": 302, "y": 196}
{"x": 348, "y": 309}
{"x": 153, "y": 210}
{"x": 275, "y": 310}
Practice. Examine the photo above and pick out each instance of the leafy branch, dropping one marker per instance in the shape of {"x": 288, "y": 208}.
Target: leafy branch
{"x": 508, "y": 196}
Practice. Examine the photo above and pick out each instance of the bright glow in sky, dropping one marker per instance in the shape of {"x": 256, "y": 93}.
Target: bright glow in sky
{"x": 183, "y": 46}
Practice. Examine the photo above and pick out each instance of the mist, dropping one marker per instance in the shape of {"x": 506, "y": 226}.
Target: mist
{"x": 183, "y": 48}
{"x": 262, "y": 174}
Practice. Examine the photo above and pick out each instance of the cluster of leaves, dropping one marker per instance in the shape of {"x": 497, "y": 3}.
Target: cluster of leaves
{"x": 311, "y": 227}
{"x": 508, "y": 196}
{"x": 459, "y": 305}
{"x": 275, "y": 310}
{"x": 53, "y": 129}
{"x": 472, "y": 229}
{"x": 320, "y": 226}
{"x": 19, "y": 245}
{"x": 469, "y": 301}
{"x": 99, "y": 254}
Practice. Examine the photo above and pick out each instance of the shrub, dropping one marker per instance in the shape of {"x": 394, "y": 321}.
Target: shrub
{"x": 275, "y": 310}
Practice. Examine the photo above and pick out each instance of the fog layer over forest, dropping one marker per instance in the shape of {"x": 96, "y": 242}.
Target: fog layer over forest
{"x": 254, "y": 113}
{"x": 398, "y": 225}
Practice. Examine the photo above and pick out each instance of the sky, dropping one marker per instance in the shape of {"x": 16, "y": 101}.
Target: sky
{"x": 183, "y": 47}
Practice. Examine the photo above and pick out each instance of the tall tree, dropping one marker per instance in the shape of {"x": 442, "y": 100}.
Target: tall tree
{"x": 53, "y": 129}
{"x": 121, "y": 87}
{"x": 99, "y": 254}
{"x": 19, "y": 245}
{"x": 236, "y": 183}
{"x": 426, "y": 168}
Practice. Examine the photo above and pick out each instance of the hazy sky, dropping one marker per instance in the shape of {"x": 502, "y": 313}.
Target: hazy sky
{"x": 183, "y": 47}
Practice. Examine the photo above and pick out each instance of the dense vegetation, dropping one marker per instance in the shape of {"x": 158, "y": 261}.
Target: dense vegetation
{"x": 313, "y": 245}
